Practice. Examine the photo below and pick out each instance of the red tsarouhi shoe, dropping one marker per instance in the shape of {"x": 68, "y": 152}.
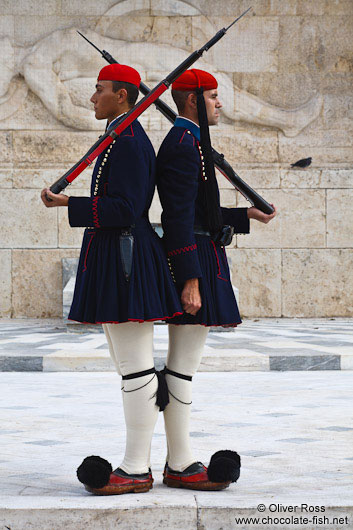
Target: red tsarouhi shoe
{"x": 121, "y": 482}
{"x": 194, "y": 477}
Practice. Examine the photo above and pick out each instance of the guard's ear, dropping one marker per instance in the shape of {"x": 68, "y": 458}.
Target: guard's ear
{"x": 192, "y": 100}
{"x": 121, "y": 95}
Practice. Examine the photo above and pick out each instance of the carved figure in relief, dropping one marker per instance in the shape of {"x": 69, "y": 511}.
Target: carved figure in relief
{"x": 12, "y": 90}
{"x": 59, "y": 69}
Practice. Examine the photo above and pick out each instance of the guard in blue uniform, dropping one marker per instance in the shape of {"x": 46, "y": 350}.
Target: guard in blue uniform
{"x": 196, "y": 231}
{"x": 122, "y": 273}
{"x": 190, "y": 249}
{"x": 112, "y": 287}
{"x": 123, "y": 279}
{"x": 183, "y": 187}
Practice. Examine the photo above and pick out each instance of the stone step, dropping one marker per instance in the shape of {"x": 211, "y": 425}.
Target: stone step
{"x": 212, "y": 361}
{"x": 209, "y": 511}
{"x": 256, "y": 345}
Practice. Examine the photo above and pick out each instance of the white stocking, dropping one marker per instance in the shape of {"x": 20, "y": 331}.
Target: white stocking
{"x": 131, "y": 348}
{"x": 186, "y": 343}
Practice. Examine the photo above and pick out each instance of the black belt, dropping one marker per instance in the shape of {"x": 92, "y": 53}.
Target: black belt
{"x": 116, "y": 229}
{"x": 223, "y": 238}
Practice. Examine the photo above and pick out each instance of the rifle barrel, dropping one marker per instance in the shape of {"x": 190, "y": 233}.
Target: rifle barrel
{"x": 125, "y": 121}
{"x": 150, "y": 97}
{"x": 221, "y": 164}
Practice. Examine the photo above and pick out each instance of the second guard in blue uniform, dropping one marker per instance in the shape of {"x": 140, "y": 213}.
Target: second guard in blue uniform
{"x": 191, "y": 250}
{"x": 195, "y": 231}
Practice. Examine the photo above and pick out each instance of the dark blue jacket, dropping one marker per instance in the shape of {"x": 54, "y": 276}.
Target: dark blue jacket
{"x": 126, "y": 185}
{"x": 123, "y": 185}
{"x": 178, "y": 182}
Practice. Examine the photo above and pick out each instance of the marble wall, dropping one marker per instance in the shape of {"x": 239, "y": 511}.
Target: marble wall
{"x": 285, "y": 76}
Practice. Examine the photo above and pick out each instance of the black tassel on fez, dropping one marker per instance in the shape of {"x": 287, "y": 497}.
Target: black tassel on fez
{"x": 224, "y": 466}
{"x": 209, "y": 185}
{"x": 94, "y": 471}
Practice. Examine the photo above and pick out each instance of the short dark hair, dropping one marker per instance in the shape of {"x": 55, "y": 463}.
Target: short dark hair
{"x": 180, "y": 98}
{"x": 132, "y": 91}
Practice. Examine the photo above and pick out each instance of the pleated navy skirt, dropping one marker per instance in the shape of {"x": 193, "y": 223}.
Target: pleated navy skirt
{"x": 219, "y": 306}
{"x": 102, "y": 295}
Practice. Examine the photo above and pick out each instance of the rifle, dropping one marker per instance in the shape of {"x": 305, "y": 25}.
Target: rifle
{"x": 112, "y": 133}
{"x": 219, "y": 160}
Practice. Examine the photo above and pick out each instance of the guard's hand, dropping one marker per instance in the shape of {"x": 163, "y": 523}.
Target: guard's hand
{"x": 56, "y": 199}
{"x": 190, "y": 296}
{"x": 255, "y": 213}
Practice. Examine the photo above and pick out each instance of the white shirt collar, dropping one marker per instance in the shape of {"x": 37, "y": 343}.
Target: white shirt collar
{"x": 111, "y": 123}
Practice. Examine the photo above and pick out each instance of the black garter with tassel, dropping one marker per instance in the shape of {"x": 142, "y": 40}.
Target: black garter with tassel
{"x": 162, "y": 399}
{"x": 162, "y": 394}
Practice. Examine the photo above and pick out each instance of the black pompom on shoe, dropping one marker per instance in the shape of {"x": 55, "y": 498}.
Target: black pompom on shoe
{"x": 224, "y": 466}
{"x": 94, "y": 472}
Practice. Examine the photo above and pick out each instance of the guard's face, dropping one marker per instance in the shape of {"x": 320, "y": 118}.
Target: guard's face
{"x": 213, "y": 105}
{"x": 105, "y": 101}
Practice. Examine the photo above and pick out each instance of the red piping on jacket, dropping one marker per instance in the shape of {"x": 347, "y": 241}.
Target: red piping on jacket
{"x": 182, "y": 249}
{"x": 181, "y": 139}
{"x": 132, "y": 132}
{"x": 89, "y": 244}
{"x": 193, "y": 139}
{"x": 218, "y": 264}
{"x": 95, "y": 212}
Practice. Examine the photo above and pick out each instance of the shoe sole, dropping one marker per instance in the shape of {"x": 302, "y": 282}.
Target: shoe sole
{"x": 204, "y": 486}
{"x": 119, "y": 490}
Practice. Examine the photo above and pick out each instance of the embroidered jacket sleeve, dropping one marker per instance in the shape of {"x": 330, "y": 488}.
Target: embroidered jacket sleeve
{"x": 126, "y": 190}
{"x": 177, "y": 181}
{"x": 238, "y": 218}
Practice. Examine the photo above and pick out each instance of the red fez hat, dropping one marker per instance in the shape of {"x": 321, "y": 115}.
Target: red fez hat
{"x": 193, "y": 79}
{"x": 120, "y": 72}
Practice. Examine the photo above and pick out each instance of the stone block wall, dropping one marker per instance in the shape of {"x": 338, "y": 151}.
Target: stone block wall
{"x": 285, "y": 76}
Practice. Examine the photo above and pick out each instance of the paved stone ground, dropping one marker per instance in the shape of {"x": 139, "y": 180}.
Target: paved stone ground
{"x": 293, "y": 430}
{"x": 257, "y": 344}
{"x": 285, "y": 405}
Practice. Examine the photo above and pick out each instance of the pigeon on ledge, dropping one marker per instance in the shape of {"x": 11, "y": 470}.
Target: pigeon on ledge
{"x": 304, "y": 162}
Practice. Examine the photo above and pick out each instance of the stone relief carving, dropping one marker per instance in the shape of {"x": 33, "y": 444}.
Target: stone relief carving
{"x": 12, "y": 90}
{"x": 61, "y": 70}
